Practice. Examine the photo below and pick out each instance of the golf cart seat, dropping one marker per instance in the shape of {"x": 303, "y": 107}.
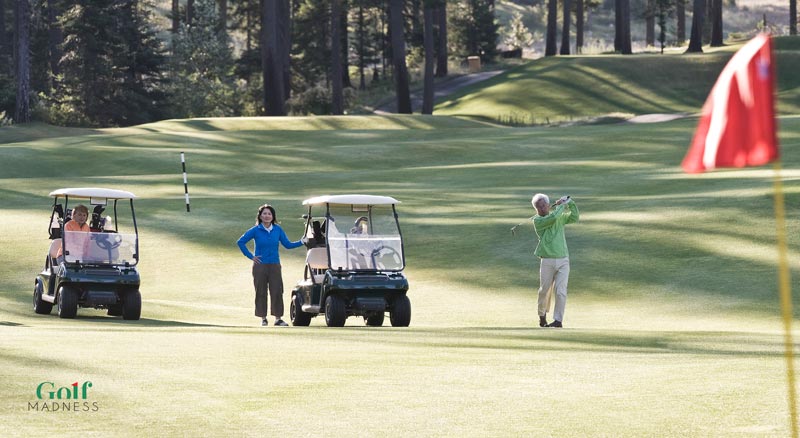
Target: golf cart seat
{"x": 317, "y": 264}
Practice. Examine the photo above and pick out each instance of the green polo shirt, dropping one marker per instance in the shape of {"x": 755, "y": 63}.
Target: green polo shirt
{"x": 550, "y": 229}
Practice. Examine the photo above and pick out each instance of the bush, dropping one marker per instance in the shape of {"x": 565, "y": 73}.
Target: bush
{"x": 317, "y": 101}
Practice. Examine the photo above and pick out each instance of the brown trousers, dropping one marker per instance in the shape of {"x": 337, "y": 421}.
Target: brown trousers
{"x": 267, "y": 277}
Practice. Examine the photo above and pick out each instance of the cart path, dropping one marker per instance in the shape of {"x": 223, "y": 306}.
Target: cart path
{"x": 447, "y": 86}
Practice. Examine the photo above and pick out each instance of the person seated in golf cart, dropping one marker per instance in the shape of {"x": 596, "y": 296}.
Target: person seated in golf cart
{"x": 76, "y": 225}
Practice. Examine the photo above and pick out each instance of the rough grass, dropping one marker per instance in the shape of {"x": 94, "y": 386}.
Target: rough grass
{"x": 672, "y": 322}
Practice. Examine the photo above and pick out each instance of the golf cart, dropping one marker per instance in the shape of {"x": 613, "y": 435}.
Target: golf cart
{"x": 95, "y": 268}
{"x": 354, "y": 263}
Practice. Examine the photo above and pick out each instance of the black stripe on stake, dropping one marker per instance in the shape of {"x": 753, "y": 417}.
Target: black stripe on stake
{"x": 185, "y": 182}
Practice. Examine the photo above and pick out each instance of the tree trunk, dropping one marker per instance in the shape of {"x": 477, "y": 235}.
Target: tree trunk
{"x": 680, "y": 12}
{"x": 696, "y": 39}
{"x": 441, "y": 45}
{"x": 176, "y": 19}
{"x": 337, "y": 101}
{"x": 708, "y": 15}
{"x": 792, "y": 17}
{"x": 579, "y": 26}
{"x": 625, "y": 27}
{"x": 223, "y": 15}
{"x": 399, "y": 56}
{"x": 552, "y": 24}
{"x": 271, "y": 60}
{"x": 284, "y": 46}
{"x": 565, "y": 28}
{"x": 360, "y": 32}
{"x": 22, "y": 37}
{"x": 4, "y": 43}
{"x": 427, "y": 95}
{"x": 650, "y": 24}
{"x": 189, "y": 12}
{"x": 617, "y": 26}
{"x": 54, "y": 36}
{"x": 345, "y": 45}
{"x": 716, "y": 23}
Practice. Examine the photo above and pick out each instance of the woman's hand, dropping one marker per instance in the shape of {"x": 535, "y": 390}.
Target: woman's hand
{"x": 257, "y": 260}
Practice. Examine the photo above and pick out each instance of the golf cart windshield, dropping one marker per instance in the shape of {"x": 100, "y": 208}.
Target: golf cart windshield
{"x": 364, "y": 238}
{"x": 100, "y": 248}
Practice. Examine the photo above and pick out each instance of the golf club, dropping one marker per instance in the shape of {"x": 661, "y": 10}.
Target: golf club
{"x": 514, "y": 228}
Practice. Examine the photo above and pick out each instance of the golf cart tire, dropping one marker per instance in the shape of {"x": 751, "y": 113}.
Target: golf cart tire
{"x": 375, "y": 320}
{"x": 296, "y": 314}
{"x": 335, "y": 312}
{"x": 40, "y": 306}
{"x": 400, "y": 315}
{"x": 67, "y": 302}
{"x": 132, "y": 306}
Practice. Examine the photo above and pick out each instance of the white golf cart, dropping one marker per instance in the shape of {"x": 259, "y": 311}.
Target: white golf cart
{"x": 354, "y": 263}
{"x": 95, "y": 268}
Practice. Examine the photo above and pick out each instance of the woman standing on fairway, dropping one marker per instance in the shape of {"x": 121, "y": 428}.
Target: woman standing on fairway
{"x": 266, "y": 262}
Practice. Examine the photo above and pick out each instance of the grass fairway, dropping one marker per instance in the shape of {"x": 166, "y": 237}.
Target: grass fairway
{"x": 672, "y": 321}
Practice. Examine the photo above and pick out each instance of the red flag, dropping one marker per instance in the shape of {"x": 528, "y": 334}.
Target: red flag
{"x": 737, "y": 125}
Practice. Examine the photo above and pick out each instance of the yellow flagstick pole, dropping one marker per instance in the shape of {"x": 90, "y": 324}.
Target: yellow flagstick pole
{"x": 785, "y": 289}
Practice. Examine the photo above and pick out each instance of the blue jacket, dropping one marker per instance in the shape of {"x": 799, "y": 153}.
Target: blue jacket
{"x": 266, "y": 243}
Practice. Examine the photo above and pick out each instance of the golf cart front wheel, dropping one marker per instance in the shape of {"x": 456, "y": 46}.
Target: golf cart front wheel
{"x": 39, "y": 305}
{"x": 296, "y": 314}
{"x": 335, "y": 312}
{"x": 132, "y": 305}
{"x": 400, "y": 315}
{"x": 67, "y": 302}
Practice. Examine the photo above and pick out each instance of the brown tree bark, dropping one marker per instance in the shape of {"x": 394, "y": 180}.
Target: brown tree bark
{"x": 565, "y": 27}
{"x": 337, "y": 100}
{"x": 22, "y": 44}
{"x": 696, "y": 39}
{"x": 427, "y": 94}
{"x": 399, "y": 56}
{"x": 441, "y": 40}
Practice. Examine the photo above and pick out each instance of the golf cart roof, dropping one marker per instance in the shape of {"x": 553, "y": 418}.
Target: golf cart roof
{"x": 93, "y": 192}
{"x": 351, "y": 200}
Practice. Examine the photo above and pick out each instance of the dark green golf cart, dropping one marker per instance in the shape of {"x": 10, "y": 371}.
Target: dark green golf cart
{"x": 94, "y": 268}
{"x": 354, "y": 263}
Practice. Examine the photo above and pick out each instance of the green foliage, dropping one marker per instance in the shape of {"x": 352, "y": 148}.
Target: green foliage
{"x": 517, "y": 35}
{"x": 473, "y": 30}
{"x": 311, "y": 53}
{"x": 317, "y": 100}
{"x": 111, "y": 66}
{"x": 202, "y": 69}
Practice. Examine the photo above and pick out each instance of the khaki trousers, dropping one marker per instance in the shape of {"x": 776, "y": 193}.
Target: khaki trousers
{"x": 553, "y": 276}
{"x": 267, "y": 277}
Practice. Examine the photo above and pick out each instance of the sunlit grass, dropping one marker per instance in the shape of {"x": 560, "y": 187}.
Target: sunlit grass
{"x": 672, "y": 320}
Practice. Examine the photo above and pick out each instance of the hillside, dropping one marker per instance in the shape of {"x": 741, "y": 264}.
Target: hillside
{"x": 574, "y": 88}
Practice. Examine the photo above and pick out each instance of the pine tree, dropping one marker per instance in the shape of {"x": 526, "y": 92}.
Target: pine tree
{"x": 203, "y": 83}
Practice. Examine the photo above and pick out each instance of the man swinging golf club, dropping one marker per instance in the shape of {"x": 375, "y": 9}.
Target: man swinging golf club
{"x": 552, "y": 251}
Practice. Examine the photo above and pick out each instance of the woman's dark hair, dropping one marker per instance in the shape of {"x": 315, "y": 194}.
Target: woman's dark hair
{"x": 271, "y": 209}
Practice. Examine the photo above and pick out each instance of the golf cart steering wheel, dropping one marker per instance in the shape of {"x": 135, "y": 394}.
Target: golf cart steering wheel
{"x": 389, "y": 252}
{"x": 108, "y": 241}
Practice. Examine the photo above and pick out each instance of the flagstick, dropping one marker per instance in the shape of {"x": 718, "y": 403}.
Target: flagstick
{"x": 786, "y": 295}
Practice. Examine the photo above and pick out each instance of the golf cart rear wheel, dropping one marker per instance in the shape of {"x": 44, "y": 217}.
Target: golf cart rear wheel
{"x": 67, "y": 302}
{"x": 296, "y": 314}
{"x": 374, "y": 320}
{"x": 400, "y": 315}
{"x": 132, "y": 305}
{"x": 335, "y": 312}
{"x": 40, "y": 306}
